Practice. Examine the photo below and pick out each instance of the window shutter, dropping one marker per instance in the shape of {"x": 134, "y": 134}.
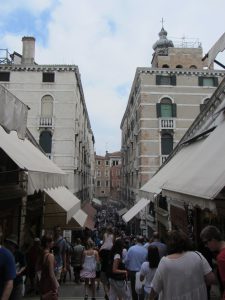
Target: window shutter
{"x": 158, "y": 110}
{"x": 200, "y": 81}
{"x": 174, "y": 110}
{"x": 216, "y": 83}
{"x": 173, "y": 80}
{"x": 158, "y": 81}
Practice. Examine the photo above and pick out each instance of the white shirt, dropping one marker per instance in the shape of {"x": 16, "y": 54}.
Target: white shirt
{"x": 182, "y": 278}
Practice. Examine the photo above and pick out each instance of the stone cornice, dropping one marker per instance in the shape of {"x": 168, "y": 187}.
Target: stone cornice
{"x": 39, "y": 68}
{"x": 168, "y": 71}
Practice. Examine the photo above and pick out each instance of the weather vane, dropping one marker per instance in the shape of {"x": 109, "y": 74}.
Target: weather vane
{"x": 162, "y": 21}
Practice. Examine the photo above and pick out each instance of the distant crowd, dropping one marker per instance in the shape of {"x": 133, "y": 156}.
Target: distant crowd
{"x": 126, "y": 267}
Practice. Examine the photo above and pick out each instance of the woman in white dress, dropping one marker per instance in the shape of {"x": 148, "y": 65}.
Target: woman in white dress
{"x": 183, "y": 274}
{"x": 88, "y": 271}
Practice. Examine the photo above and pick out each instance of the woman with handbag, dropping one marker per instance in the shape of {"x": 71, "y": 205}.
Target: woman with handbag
{"x": 48, "y": 282}
{"x": 118, "y": 274}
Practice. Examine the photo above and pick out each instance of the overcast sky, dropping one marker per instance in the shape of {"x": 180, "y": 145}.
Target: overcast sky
{"x": 107, "y": 40}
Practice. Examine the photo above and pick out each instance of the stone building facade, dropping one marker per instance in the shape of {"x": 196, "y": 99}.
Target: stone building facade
{"x": 163, "y": 102}
{"x": 58, "y": 116}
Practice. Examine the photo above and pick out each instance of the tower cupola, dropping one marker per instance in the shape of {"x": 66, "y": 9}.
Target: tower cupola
{"x": 163, "y": 42}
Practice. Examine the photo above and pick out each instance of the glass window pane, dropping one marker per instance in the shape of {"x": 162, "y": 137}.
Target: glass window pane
{"x": 208, "y": 82}
{"x": 166, "y": 110}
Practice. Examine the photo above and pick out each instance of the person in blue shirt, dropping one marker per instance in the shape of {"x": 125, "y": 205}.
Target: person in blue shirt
{"x": 7, "y": 273}
{"x": 135, "y": 257}
{"x": 20, "y": 263}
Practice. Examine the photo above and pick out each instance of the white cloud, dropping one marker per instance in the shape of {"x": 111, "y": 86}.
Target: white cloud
{"x": 109, "y": 39}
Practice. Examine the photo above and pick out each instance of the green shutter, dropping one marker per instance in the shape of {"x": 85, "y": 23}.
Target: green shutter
{"x": 173, "y": 80}
{"x": 174, "y": 110}
{"x": 200, "y": 81}
{"x": 158, "y": 110}
{"x": 216, "y": 83}
{"x": 158, "y": 81}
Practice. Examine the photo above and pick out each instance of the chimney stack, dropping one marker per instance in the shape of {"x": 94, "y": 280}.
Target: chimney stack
{"x": 28, "y": 50}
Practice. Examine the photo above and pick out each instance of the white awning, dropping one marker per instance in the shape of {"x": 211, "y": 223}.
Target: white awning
{"x": 155, "y": 184}
{"x": 219, "y": 46}
{"x": 42, "y": 172}
{"x": 66, "y": 200}
{"x": 80, "y": 217}
{"x": 97, "y": 201}
{"x": 122, "y": 211}
{"x": 13, "y": 113}
{"x": 135, "y": 209}
{"x": 203, "y": 174}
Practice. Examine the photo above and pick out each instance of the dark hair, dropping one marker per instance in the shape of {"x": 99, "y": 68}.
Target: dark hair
{"x": 153, "y": 257}
{"x": 117, "y": 247}
{"x": 210, "y": 232}
{"x": 177, "y": 242}
{"x": 46, "y": 239}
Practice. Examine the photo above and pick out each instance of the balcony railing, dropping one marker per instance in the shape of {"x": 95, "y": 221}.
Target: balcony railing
{"x": 167, "y": 123}
{"x": 46, "y": 121}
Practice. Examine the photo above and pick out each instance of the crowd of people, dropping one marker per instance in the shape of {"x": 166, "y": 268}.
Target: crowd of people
{"x": 153, "y": 269}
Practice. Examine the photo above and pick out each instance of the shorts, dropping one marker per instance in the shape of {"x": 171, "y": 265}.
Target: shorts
{"x": 103, "y": 277}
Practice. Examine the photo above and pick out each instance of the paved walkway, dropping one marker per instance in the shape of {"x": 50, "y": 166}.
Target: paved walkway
{"x": 72, "y": 291}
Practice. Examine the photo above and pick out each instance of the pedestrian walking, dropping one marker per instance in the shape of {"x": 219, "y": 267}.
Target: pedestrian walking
{"x": 76, "y": 259}
{"x": 183, "y": 274}
{"x": 155, "y": 241}
{"x": 32, "y": 257}
{"x": 118, "y": 275}
{"x": 88, "y": 271}
{"x": 59, "y": 250}
{"x": 108, "y": 239}
{"x": 104, "y": 256}
{"x": 48, "y": 281}
{"x": 148, "y": 269}
{"x": 20, "y": 261}
{"x": 135, "y": 257}
{"x": 212, "y": 239}
{"x": 7, "y": 273}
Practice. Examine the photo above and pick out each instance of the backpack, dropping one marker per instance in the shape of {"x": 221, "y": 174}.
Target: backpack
{"x": 69, "y": 248}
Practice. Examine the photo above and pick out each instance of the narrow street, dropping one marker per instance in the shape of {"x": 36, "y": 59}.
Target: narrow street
{"x": 70, "y": 290}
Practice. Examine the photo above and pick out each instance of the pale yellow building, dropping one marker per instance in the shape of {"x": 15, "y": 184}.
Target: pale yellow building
{"x": 163, "y": 102}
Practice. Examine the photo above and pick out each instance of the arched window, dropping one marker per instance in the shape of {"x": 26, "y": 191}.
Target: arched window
{"x": 47, "y": 106}
{"x": 166, "y": 143}
{"x": 193, "y": 67}
{"x": 165, "y": 66}
{"x": 166, "y": 108}
{"x": 179, "y": 66}
{"x": 45, "y": 141}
